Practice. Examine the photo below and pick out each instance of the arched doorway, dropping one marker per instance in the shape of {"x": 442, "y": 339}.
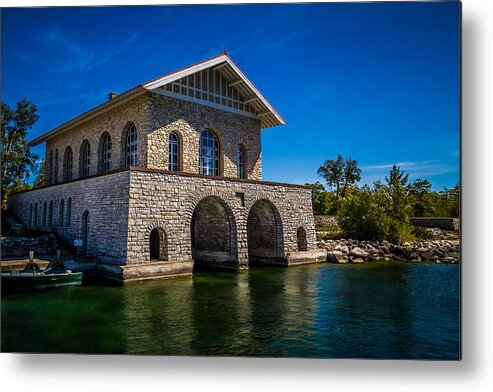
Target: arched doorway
{"x": 301, "y": 236}
{"x": 264, "y": 233}
{"x": 85, "y": 233}
{"x": 158, "y": 245}
{"x": 213, "y": 233}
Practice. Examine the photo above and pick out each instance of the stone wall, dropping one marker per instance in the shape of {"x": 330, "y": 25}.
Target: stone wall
{"x": 439, "y": 223}
{"x": 168, "y": 201}
{"x": 20, "y": 246}
{"x": 188, "y": 120}
{"x": 104, "y": 197}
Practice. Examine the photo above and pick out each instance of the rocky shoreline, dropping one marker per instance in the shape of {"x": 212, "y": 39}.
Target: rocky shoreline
{"x": 354, "y": 251}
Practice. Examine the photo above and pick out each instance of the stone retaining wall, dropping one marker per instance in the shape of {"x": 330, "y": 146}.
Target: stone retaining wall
{"x": 20, "y": 246}
{"x": 439, "y": 223}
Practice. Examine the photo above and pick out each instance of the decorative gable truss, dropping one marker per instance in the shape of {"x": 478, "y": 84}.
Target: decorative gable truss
{"x": 218, "y": 83}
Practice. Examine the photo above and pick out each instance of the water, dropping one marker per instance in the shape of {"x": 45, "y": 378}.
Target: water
{"x": 377, "y": 310}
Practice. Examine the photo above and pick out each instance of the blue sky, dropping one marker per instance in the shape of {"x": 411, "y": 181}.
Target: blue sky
{"x": 375, "y": 81}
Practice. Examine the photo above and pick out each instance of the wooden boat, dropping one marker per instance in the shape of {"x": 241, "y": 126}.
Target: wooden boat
{"x": 29, "y": 280}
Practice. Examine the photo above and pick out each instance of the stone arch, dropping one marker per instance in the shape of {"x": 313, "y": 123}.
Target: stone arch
{"x": 158, "y": 245}
{"x": 181, "y": 158}
{"x": 166, "y": 234}
{"x": 68, "y": 164}
{"x": 301, "y": 238}
{"x": 36, "y": 214}
{"x": 264, "y": 233}
{"x": 220, "y": 147}
{"x": 45, "y": 211}
{"x": 213, "y": 232}
{"x": 85, "y": 153}
{"x": 105, "y": 164}
{"x": 50, "y": 214}
{"x": 84, "y": 229}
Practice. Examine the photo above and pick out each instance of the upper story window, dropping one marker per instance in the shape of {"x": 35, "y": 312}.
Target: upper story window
{"x": 106, "y": 161}
{"x": 49, "y": 170}
{"x": 55, "y": 170}
{"x": 86, "y": 159}
{"x": 174, "y": 152}
{"x": 69, "y": 164}
{"x": 209, "y": 154}
{"x": 131, "y": 146}
{"x": 240, "y": 162}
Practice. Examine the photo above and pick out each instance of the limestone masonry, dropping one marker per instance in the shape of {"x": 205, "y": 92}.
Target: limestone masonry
{"x": 166, "y": 177}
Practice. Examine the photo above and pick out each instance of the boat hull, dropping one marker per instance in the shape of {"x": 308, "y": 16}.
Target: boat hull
{"x": 34, "y": 281}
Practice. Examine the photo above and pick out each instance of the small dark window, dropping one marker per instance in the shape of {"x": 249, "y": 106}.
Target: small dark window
{"x": 240, "y": 161}
{"x": 106, "y": 153}
{"x": 50, "y": 214}
{"x": 69, "y": 164}
{"x": 69, "y": 211}
{"x": 61, "y": 212}
{"x": 131, "y": 146}
{"x": 86, "y": 160}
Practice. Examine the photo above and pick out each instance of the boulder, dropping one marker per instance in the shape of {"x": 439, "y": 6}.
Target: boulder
{"x": 357, "y": 252}
{"x": 336, "y": 256}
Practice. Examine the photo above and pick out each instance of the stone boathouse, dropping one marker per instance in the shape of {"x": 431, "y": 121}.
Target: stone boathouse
{"x": 168, "y": 176}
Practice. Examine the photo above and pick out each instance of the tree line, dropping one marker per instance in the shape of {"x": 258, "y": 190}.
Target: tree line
{"x": 380, "y": 211}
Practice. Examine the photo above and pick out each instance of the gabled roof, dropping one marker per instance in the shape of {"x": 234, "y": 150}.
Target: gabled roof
{"x": 258, "y": 105}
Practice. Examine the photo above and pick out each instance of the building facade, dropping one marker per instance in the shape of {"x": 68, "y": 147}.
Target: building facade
{"x": 168, "y": 176}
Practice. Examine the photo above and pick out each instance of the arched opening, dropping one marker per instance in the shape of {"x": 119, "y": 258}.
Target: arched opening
{"x": 264, "y": 233}
{"x": 105, "y": 153}
{"x": 85, "y": 159}
{"x": 130, "y": 146}
{"x": 45, "y": 210}
{"x": 50, "y": 214}
{"x": 158, "y": 245}
{"x": 174, "y": 152}
{"x": 68, "y": 164}
{"x": 209, "y": 161}
{"x": 301, "y": 236}
{"x": 213, "y": 233}
{"x": 55, "y": 171}
{"x": 61, "y": 212}
{"x": 69, "y": 211}
{"x": 85, "y": 232}
{"x": 240, "y": 161}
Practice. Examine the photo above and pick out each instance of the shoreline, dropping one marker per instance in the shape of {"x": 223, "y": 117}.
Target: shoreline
{"x": 343, "y": 251}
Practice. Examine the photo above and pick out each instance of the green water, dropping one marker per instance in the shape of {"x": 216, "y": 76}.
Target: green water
{"x": 378, "y": 310}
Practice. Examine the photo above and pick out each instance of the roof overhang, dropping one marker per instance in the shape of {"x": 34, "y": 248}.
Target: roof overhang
{"x": 264, "y": 111}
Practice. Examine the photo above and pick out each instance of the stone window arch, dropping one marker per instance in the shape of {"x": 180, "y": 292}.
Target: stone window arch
{"x": 85, "y": 232}
{"x": 174, "y": 148}
{"x": 130, "y": 146}
{"x": 68, "y": 164}
{"x": 105, "y": 153}
{"x": 209, "y": 154}
{"x": 301, "y": 238}
{"x": 85, "y": 159}
{"x": 61, "y": 212}
{"x": 50, "y": 214}
{"x": 35, "y": 218}
{"x": 45, "y": 208}
{"x": 69, "y": 211}
{"x": 240, "y": 161}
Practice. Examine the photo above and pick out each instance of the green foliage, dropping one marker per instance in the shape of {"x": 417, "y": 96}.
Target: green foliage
{"x": 323, "y": 201}
{"x": 378, "y": 213}
{"x": 17, "y": 160}
{"x": 340, "y": 174}
{"x": 422, "y": 233}
{"x": 425, "y": 203}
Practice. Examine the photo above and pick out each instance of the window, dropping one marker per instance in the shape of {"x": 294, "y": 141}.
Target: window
{"x": 131, "y": 147}
{"x": 174, "y": 155}
{"x": 61, "y": 208}
{"x": 69, "y": 164}
{"x": 209, "y": 154}
{"x": 69, "y": 211}
{"x": 55, "y": 170}
{"x": 86, "y": 159}
{"x": 50, "y": 214}
{"x": 106, "y": 153}
{"x": 35, "y": 214}
{"x": 30, "y": 222}
{"x": 45, "y": 207}
{"x": 240, "y": 162}
{"x": 50, "y": 169}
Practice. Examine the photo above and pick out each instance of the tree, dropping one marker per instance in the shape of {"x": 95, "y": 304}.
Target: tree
{"x": 17, "y": 160}
{"x": 340, "y": 174}
{"x": 420, "y": 197}
{"x": 323, "y": 201}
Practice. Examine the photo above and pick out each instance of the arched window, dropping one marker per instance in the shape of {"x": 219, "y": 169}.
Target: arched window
{"x": 30, "y": 222}
{"x": 85, "y": 161}
{"x": 68, "y": 164}
{"x": 45, "y": 208}
{"x": 35, "y": 223}
{"x": 174, "y": 152}
{"x": 69, "y": 211}
{"x": 106, "y": 153}
{"x": 209, "y": 154}
{"x": 61, "y": 208}
{"x": 55, "y": 170}
{"x": 240, "y": 162}
{"x": 50, "y": 214}
{"x": 131, "y": 146}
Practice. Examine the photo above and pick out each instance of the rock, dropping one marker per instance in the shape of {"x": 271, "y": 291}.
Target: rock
{"x": 359, "y": 253}
{"x": 358, "y": 260}
{"x": 336, "y": 256}
{"x": 342, "y": 248}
